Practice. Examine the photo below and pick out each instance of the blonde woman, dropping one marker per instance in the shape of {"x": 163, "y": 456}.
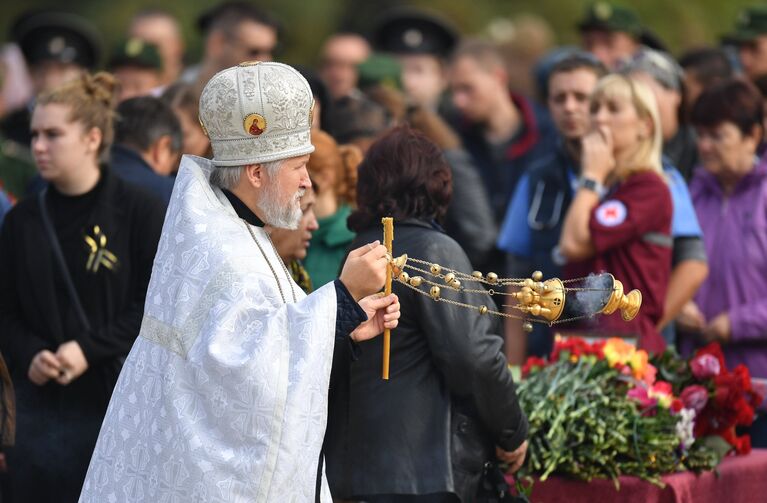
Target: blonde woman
{"x": 620, "y": 218}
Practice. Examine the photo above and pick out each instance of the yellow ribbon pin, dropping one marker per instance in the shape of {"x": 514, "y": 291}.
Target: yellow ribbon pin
{"x": 99, "y": 254}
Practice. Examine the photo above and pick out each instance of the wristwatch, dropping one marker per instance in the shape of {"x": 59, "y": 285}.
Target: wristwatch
{"x": 593, "y": 185}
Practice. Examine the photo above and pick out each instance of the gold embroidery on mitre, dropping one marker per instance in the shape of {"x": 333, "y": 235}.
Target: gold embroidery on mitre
{"x": 311, "y": 113}
{"x": 99, "y": 255}
{"x": 204, "y": 129}
{"x": 249, "y": 63}
{"x": 254, "y": 124}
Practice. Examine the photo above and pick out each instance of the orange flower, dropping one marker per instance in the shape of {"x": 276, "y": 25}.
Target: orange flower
{"x": 639, "y": 362}
{"x": 649, "y": 374}
{"x": 617, "y": 351}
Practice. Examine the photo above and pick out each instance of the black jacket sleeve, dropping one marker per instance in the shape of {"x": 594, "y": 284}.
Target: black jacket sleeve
{"x": 349, "y": 315}
{"x": 468, "y": 351}
{"x": 116, "y": 338}
{"x": 18, "y": 342}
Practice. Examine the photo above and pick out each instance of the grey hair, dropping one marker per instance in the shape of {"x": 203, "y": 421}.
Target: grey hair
{"x": 227, "y": 177}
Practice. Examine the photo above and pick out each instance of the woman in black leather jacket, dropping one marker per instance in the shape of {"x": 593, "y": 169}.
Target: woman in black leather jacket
{"x": 450, "y": 405}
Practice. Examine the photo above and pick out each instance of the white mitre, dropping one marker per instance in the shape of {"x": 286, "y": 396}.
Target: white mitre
{"x": 257, "y": 112}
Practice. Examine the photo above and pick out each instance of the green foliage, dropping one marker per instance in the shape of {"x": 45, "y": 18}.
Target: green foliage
{"x": 582, "y": 425}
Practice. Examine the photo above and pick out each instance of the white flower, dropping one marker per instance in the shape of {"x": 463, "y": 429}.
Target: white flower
{"x": 684, "y": 427}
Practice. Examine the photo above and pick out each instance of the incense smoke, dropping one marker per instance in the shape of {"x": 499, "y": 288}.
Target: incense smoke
{"x": 598, "y": 288}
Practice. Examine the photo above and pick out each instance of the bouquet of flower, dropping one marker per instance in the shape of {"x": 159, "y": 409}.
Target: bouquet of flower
{"x": 600, "y": 410}
{"x": 722, "y": 400}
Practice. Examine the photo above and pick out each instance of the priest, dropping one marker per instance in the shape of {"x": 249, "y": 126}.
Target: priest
{"x": 223, "y": 397}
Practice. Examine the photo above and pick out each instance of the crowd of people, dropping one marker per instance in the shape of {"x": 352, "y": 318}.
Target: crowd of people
{"x": 612, "y": 156}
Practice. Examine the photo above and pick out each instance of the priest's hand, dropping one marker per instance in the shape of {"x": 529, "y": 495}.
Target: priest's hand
{"x": 383, "y": 312}
{"x": 73, "y": 362}
{"x": 44, "y": 367}
{"x": 515, "y": 458}
{"x": 364, "y": 272}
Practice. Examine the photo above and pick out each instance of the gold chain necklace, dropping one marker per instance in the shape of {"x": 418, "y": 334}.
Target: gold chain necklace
{"x": 284, "y": 267}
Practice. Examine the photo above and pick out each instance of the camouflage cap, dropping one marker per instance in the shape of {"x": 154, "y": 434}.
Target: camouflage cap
{"x": 380, "y": 69}
{"x": 751, "y": 23}
{"x": 136, "y": 52}
{"x": 609, "y": 17}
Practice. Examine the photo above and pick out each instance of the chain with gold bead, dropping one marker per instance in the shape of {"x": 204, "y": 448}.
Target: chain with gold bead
{"x": 454, "y": 280}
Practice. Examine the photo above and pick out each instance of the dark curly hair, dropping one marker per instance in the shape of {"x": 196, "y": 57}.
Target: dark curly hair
{"x": 403, "y": 175}
{"x": 735, "y": 100}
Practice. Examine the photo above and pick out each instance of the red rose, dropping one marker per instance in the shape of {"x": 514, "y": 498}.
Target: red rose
{"x": 715, "y": 350}
{"x": 694, "y": 397}
{"x": 705, "y": 366}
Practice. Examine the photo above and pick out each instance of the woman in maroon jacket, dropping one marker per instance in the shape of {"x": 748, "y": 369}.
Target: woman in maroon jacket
{"x": 620, "y": 218}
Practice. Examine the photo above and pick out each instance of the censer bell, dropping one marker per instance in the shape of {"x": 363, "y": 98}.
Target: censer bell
{"x": 551, "y": 299}
{"x": 397, "y": 265}
{"x": 628, "y": 304}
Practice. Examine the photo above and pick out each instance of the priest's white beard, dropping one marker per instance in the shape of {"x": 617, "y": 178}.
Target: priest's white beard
{"x": 277, "y": 213}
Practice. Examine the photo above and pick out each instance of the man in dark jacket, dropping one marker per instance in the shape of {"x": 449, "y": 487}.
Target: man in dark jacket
{"x": 502, "y": 132}
{"x": 147, "y": 145}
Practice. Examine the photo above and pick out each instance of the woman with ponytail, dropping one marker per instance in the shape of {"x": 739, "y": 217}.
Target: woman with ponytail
{"x": 74, "y": 268}
{"x": 333, "y": 170}
{"x": 620, "y": 217}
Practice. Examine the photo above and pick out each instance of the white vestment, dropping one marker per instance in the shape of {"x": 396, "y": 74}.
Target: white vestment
{"x": 223, "y": 397}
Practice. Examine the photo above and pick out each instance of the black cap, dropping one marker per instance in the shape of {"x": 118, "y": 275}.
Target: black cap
{"x": 57, "y": 36}
{"x": 413, "y": 31}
